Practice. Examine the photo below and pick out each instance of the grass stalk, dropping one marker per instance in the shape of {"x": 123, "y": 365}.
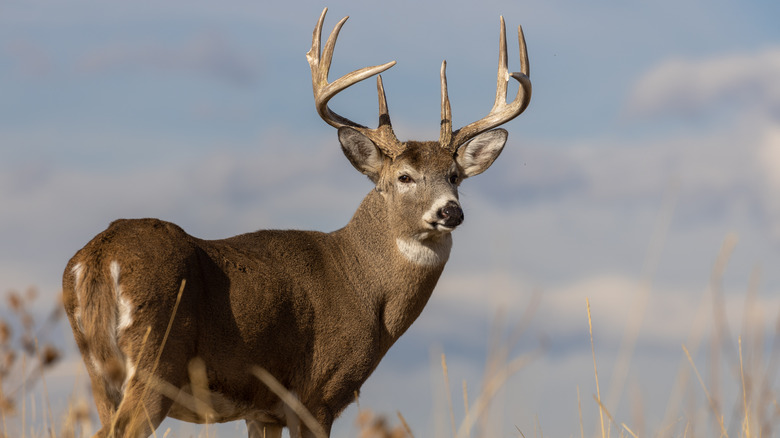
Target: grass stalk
{"x": 746, "y": 423}
{"x": 449, "y": 393}
{"x": 465, "y": 399}
{"x": 706, "y": 393}
{"x": 579, "y": 410}
{"x": 405, "y": 424}
{"x": 595, "y": 370}
{"x": 290, "y": 400}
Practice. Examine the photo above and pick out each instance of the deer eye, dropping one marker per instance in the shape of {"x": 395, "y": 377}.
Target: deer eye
{"x": 405, "y": 178}
{"x": 454, "y": 179}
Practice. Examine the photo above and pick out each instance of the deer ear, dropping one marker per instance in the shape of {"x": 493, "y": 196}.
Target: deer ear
{"x": 361, "y": 152}
{"x": 480, "y": 152}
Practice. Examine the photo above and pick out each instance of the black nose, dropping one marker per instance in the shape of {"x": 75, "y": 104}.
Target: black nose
{"x": 452, "y": 214}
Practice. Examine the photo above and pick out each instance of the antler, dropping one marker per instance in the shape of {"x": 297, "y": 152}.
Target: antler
{"x": 501, "y": 112}
{"x": 383, "y": 136}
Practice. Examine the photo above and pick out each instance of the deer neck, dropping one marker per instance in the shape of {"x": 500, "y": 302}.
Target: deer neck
{"x": 397, "y": 272}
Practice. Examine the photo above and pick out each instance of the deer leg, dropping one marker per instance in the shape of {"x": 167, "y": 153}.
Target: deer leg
{"x": 258, "y": 429}
{"x": 105, "y": 387}
{"x": 299, "y": 430}
{"x": 106, "y": 405}
{"x": 147, "y": 391}
{"x": 306, "y": 433}
{"x": 142, "y": 409}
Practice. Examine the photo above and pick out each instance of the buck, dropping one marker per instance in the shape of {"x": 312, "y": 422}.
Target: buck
{"x": 312, "y": 313}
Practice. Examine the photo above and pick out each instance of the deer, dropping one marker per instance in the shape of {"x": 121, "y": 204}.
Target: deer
{"x": 274, "y": 324}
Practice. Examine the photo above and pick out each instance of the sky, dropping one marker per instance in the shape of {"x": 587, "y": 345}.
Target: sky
{"x": 649, "y": 152}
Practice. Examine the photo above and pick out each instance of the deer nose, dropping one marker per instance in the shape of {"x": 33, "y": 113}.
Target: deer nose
{"x": 451, "y": 213}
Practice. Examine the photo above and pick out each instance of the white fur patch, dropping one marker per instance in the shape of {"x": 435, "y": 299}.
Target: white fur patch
{"x": 404, "y": 187}
{"x": 114, "y": 268}
{"x": 425, "y": 254}
{"x": 124, "y": 305}
{"x": 125, "y": 313}
{"x": 78, "y": 272}
{"x": 129, "y": 373}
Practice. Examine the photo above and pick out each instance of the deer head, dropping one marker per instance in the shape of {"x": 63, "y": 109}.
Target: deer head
{"x": 419, "y": 180}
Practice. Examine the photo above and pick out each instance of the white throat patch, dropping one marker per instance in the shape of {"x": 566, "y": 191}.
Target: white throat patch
{"x": 434, "y": 254}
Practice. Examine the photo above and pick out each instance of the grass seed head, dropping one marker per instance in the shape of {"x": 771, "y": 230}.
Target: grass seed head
{"x": 49, "y": 356}
{"x": 5, "y": 332}
{"x": 15, "y": 301}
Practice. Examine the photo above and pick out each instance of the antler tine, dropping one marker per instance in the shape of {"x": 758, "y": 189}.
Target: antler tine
{"x": 320, "y": 63}
{"x": 384, "y": 114}
{"x": 313, "y": 55}
{"x": 445, "y": 137}
{"x": 327, "y": 52}
{"x": 525, "y": 66}
{"x": 502, "y": 111}
{"x": 503, "y": 68}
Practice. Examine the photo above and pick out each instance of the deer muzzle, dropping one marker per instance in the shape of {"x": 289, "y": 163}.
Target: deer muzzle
{"x": 451, "y": 215}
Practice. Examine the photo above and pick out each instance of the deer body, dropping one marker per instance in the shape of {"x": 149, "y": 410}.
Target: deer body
{"x": 317, "y": 311}
{"x": 251, "y": 300}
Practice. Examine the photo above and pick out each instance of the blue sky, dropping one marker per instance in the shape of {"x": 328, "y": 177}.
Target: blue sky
{"x": 652, "y": 135}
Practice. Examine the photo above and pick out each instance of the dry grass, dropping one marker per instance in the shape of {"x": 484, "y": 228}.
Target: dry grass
{"x": 25, "y": 356}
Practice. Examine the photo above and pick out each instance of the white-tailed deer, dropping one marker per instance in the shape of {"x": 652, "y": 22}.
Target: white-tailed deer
{"x": 316, "y": 311}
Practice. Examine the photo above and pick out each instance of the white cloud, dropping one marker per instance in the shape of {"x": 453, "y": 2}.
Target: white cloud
{"x": 684, "y": 86}
{"x": 616, "y": 302}
{"x": 768, "y": 158}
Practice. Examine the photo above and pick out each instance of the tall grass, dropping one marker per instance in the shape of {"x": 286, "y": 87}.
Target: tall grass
{"x": 25, "y": 356}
